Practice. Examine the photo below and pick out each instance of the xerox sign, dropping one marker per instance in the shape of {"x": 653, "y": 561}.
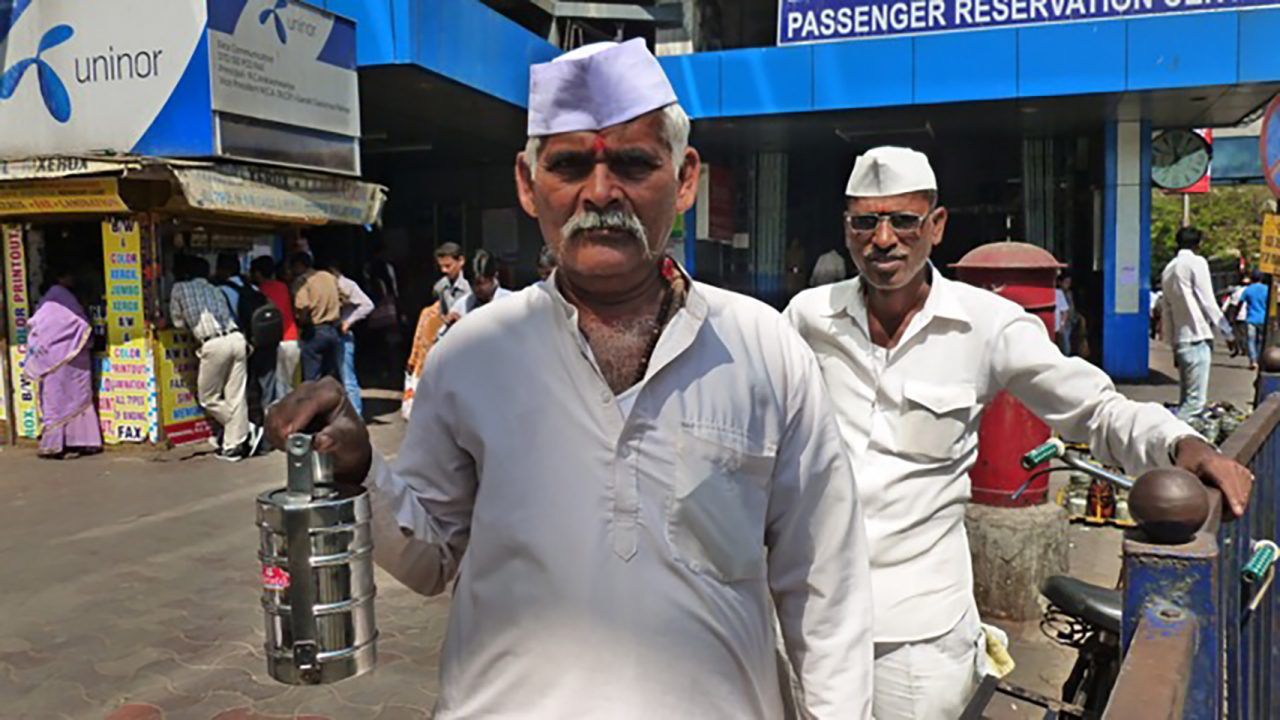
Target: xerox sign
{"x": 79, "y": 77}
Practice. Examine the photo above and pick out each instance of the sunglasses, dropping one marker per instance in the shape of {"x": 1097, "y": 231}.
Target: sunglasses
{"x": 903, "y": 223}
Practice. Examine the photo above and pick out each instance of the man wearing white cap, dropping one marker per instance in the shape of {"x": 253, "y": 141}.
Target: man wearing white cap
{"x": 910, "y": 359}
{"x": 666, "y": 468}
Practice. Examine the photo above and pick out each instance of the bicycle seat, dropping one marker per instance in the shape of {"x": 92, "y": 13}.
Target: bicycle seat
{"x": 1093, "y": 604}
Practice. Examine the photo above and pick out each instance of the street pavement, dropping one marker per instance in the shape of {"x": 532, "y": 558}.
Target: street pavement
{"x": 131, "y": 591}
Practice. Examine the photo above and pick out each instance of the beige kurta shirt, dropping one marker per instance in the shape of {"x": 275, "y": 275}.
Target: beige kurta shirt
{"x": 622, "y": 565}
{"x": 909, "y": 416}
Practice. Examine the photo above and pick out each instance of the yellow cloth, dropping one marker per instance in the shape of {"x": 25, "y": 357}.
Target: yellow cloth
{"x": 998, "y": 661}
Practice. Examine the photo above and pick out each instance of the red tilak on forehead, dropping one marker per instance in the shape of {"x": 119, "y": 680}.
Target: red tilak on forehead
{"x": 598, "y": 145}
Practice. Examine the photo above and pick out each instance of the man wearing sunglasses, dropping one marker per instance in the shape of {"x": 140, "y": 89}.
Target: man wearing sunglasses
{"x": 910, "y": 360}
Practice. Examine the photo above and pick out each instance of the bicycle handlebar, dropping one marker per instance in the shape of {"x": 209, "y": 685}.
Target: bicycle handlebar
{"x": 1051, "y": 449}
{"x": 1055, "y": 448}
{"x": 1264, "y": 556}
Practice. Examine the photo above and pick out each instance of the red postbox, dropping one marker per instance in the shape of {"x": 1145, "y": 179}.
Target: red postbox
{"x": 1025, "y": 274}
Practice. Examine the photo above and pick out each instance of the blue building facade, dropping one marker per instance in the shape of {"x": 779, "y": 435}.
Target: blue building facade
{"x": 1041, "y": 134}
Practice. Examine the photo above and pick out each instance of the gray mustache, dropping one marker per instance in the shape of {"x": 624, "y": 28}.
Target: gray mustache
{"x": 619, "y": 220}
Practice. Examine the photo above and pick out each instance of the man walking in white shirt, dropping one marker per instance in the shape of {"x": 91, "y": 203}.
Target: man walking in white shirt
{"x": 665, "y": 470}
{"x": 1191, "y": 316}
{"x": 910, "y": 359}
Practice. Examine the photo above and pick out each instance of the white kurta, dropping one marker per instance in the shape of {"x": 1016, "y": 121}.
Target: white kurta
{"x": 910, "y": 422}
{"x": 615, "y": 566}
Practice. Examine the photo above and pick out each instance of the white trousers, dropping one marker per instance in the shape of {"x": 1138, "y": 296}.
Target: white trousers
{"x": 223, "y": 374}
{"x": 288, "y": 355}
{"x": 929, "y": 679}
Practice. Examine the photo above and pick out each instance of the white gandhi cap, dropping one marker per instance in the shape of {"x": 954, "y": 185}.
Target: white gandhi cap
{"x": 889, "y": 170}
{"x": 596, "y": 86}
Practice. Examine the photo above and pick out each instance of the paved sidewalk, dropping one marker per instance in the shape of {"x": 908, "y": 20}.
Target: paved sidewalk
{"x": 131, "y": 591}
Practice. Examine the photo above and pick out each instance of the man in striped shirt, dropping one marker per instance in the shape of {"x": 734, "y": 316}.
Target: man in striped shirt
{"x": 197, "y": 305}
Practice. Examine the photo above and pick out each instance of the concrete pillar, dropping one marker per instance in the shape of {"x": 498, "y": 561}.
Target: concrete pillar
{"x": 1013, "y": 551}
{"x": 1126, "y": 234}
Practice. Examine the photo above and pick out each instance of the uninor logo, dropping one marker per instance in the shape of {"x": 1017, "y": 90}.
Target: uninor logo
{"x": 52, "y": 89}
{"x": 273, "y": 13}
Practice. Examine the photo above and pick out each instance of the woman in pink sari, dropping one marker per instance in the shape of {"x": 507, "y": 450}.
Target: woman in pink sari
{"x": 58, "y": 360}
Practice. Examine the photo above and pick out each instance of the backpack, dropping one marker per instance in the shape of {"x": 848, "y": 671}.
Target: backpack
{"x": 266, "y": 326}
{"x": 260, "y": 318}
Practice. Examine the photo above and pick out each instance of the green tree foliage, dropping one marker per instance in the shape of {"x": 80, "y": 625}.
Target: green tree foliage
{"x": 1230, "y": 216}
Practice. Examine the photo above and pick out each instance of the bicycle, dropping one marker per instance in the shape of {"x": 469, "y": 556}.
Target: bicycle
{"x": 1088, "y": 617}
{"x": 1081, "y": 615}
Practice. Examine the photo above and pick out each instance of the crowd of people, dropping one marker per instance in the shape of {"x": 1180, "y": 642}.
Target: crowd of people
{"x": 252, "y": 333}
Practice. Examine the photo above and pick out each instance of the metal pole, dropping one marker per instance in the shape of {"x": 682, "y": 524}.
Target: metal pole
{"x": 1186, "y": 210}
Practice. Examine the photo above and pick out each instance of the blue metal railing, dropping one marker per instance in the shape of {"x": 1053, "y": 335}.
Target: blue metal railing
{"x": 1230, "y": 671}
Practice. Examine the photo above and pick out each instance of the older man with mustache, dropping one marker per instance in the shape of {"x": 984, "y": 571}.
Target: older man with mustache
{"x": 911, "y": 359}
{"x": 664, "y": 471}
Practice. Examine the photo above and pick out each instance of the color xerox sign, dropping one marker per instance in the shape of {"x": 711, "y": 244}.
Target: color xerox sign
{"x": 266, "y": 80}
{"x": 81, "y": 76}
{"x": 808, "y": 21}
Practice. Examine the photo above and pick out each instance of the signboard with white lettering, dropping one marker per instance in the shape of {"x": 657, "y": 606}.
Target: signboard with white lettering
{"x": 87, "y": 77}
{"x": 127, "y": 385}
{"x": 811, "y": 21}
{"x": 26, "y": 409}
{"x": 266, "y": 80}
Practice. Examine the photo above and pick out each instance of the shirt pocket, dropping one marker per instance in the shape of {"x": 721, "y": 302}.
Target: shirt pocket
{"x": 935, "y": 418}
{"x": 717, "y": 508}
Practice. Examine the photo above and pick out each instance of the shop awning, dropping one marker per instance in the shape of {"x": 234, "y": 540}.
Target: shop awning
{"x": 279, "y": 194}
{"x": 95, "y": 184}
{"x": 95, "y": 195}
{"x": 62, "y": 166}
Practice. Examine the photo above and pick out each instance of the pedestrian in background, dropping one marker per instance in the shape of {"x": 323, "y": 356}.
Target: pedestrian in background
{"x": 59, "y": 340}
{"x": 356, "y": 306}
{"x": 1154, "y": 315}
{"x": 385, "y": 325}
{"x": 453, "y": 286}
{"x": 262, "y": 272}
{"x": 1253, "y": 302}
{"x": 1191, "y": 317}
{"x": 317, "y": 305}
{"x": 1064, "y": 312}
{"x": 830, "y": 268}
{"x": 265, "y": 329}
{"x": 223, "y": 355}
{"x": 226, "y": 275}
{"x": 485, "y": 287}
{"x": 1234, "y": 311}
{"x": 546, "y": 262}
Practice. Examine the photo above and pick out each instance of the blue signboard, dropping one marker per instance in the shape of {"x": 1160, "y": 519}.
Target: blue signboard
{"x": 266, "y": 80}
{"x": 812, "y": 21}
